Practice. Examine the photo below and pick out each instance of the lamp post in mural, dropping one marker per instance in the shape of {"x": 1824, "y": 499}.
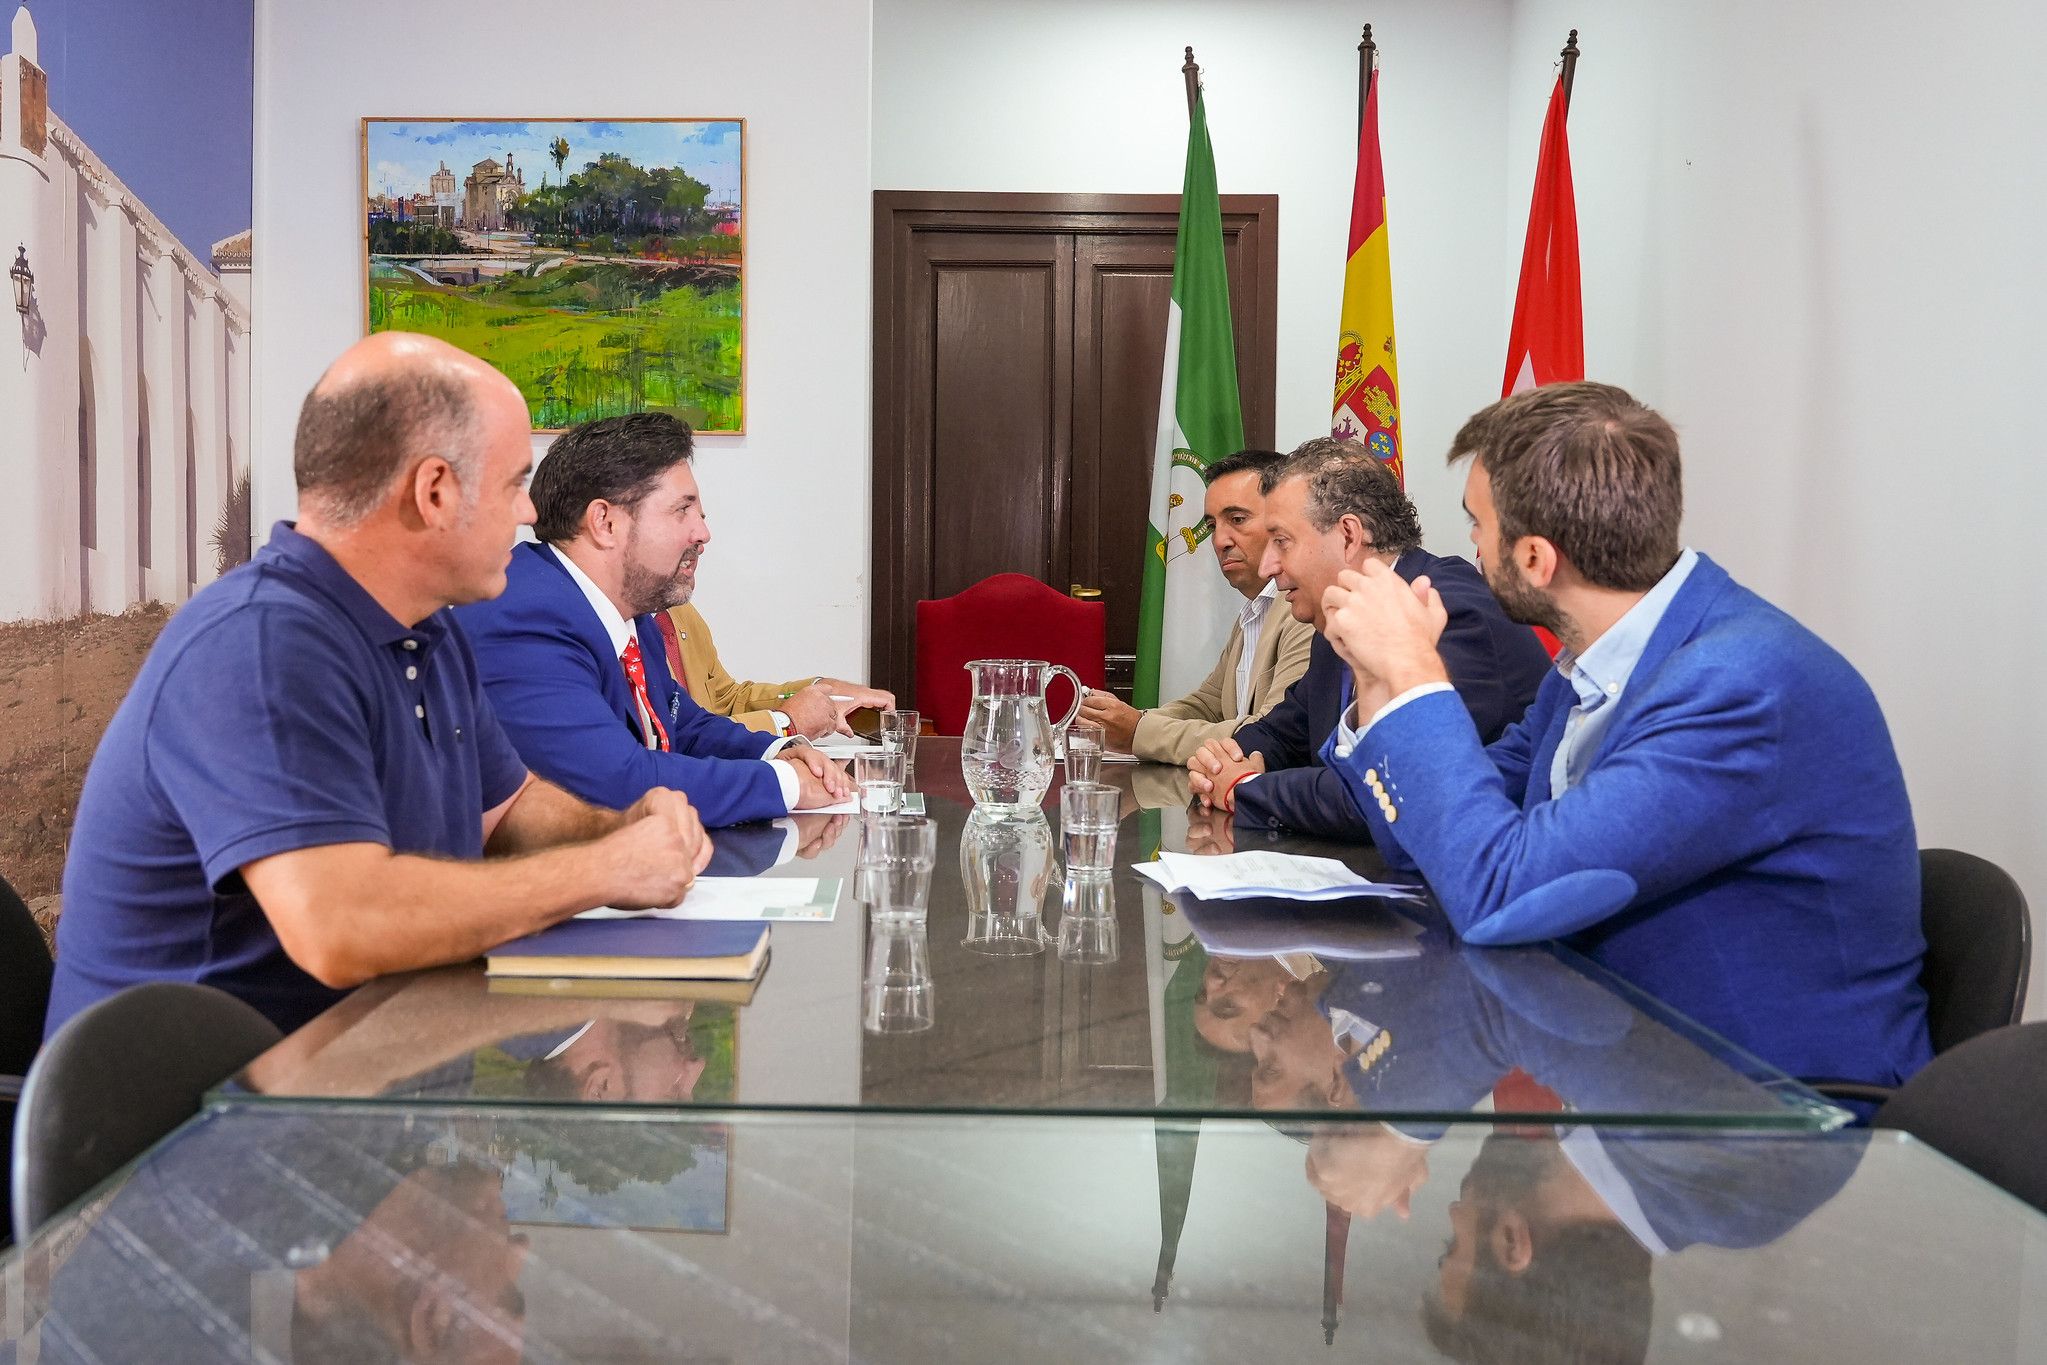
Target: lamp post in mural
{"x": 24, "y": 281}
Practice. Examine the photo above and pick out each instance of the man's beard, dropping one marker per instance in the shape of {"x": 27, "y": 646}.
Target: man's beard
{"x": 646, "y": 590}
{"x": 1529, "y": 606}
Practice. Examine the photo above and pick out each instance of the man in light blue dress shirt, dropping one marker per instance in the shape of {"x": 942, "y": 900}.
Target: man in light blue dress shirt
{"x": 1704, "y": 798}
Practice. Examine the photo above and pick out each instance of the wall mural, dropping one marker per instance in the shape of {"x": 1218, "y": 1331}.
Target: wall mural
{"x": 126, "y": 155}
{"x": 597, "y": 263}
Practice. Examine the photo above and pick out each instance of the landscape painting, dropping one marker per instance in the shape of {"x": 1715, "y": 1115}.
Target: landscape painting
{"x": 599, "y": 264}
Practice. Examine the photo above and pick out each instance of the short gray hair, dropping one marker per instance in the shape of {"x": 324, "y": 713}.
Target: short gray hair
{"x": 355, "y": 440}
{"x": 1344, "y": 478}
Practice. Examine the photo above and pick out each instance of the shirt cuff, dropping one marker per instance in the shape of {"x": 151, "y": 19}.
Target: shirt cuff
{"x": 788, "y": 850}
{"x": 781, "y": 719}
{"x": 1348, "y": 732}
{"x": 792, "y": 785}
{"x": 775, "y": 748}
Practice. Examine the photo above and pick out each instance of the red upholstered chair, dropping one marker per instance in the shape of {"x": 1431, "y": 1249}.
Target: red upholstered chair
{"x": 1008, "y": 616}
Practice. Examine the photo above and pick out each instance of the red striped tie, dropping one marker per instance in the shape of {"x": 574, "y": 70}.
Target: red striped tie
{"x": 636, "y": 673}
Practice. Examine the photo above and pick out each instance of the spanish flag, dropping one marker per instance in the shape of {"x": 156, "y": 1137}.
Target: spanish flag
{"x": 1367, "y": 380}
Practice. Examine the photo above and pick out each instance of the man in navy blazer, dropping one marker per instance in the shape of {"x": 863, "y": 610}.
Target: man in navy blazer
{"x": 1332, "y": 506}
{"x": 572, "y": 656}
{"x": 1703, "y": 798}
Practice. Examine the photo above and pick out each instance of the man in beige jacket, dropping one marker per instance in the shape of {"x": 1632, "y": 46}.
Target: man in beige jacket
{"x": 1267, "y": 650}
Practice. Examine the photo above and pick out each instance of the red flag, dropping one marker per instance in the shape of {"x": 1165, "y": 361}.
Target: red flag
{"x": 1547, "y": 343}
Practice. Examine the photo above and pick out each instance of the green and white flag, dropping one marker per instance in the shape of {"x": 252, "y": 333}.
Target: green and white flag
{"x": 1187, "y": 606}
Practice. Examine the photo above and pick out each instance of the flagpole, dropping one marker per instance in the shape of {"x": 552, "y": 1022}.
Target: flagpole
{"x": 1570, "y": 56}
{"x": 1193, "y": 75}
{"x": 1368, "y": 61}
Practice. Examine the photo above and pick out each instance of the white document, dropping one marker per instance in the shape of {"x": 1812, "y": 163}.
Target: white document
{"x": 813, "y": 899}
{"x": 844, "y": 746}
{"x": 1242, "y": 876}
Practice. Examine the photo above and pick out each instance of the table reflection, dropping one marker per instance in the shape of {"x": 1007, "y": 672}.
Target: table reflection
{"x": 319, "y": 1232}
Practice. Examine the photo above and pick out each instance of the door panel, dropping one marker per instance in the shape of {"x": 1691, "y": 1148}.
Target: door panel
{"x": 1017, "y": 354}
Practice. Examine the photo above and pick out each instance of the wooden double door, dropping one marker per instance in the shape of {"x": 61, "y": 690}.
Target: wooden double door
{"x": 1018, "y": 348}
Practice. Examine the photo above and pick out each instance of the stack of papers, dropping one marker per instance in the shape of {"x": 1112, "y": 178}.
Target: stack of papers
{"x": 844, "y": 746}
{"x": 743, "y": 898}
{"x": 1289, "y": 876}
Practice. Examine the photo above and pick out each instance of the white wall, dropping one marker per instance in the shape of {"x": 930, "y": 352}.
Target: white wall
{"x": 1067, "y": 95}
{"x": 1810, "y": 236}
{"x": 788, "y": 501}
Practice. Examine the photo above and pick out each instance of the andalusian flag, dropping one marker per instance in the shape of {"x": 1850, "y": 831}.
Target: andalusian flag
{"x": 1367, "y": 380}
{"x": 1187, "y": 607}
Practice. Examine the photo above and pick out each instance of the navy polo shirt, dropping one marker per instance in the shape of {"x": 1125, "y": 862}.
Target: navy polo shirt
{"x": 281, "y": 708}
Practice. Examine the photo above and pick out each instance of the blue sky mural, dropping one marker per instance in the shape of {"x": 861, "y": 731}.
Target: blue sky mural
{"x": 403, "y": 155}
{"x": 164, "y": 92}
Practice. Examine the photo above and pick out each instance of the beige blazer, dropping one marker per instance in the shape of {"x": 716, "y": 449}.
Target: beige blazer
{"x": 1171, "y": 733}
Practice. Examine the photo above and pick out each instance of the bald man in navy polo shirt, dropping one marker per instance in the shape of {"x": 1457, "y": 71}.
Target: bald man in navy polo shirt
{"x": 306, "y": 787}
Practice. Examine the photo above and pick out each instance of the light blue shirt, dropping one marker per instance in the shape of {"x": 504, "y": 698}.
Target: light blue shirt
{"x": 1600, "y": 675}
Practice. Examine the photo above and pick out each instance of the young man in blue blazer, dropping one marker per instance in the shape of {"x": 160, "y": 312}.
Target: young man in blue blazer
{"x": 572, "y": 656}
{"x": 1331, "y": 505}
{"x": 1703, "y": 798}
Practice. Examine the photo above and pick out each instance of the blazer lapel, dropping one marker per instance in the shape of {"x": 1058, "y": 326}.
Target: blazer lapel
{"x": 1680, "y": 622}
{"x": 1227, "y": 699}
{"x": 589, "y": 632}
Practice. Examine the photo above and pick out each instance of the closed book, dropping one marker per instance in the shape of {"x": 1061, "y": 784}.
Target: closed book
{"x": 663, "y": 949}
{"x": 646, "y": 988}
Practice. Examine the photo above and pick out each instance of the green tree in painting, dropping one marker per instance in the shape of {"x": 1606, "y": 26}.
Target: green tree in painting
{"x": 559, "y": 150}
{"x": 613, "y": 197}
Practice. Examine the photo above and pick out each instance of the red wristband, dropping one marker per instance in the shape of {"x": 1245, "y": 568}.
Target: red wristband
{"x": 1229, "y": 801}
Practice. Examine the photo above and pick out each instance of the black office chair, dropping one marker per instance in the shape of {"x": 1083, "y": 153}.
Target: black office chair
{"x": 115, "y": 1078}
{"x": 1980, "y": 1104}
{"x": 1979, "y": 955}
{"x": 24, "y": 997}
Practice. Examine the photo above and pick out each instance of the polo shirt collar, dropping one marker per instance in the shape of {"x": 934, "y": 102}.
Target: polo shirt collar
{"x": 617, "y": 628}
{"x": 290, "y": 547}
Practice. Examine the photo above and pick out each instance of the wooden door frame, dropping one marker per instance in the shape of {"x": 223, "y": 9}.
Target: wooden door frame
{"x": 898, "y": 508}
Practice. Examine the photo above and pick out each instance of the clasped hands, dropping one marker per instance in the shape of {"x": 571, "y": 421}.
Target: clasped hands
{"x": 814, "y": 712}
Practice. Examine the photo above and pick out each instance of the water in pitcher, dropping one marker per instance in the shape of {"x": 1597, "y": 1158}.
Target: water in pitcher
{"x": 1006, "y": 752}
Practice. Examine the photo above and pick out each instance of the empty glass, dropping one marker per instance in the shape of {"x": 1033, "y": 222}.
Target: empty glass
{"x": 1088, "y": 812}
{"x": 878, "y": 778}
{"x": 1087, "y": 921}
{"x": 1006, "y": 864}
{"x": 892, "y": 864}
{"x": 899, "y": 731}
{"x": 896, "y": 991}
{"x": 1085, "y": 740}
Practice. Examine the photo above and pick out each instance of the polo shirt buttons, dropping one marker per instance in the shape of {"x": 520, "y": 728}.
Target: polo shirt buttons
{"x": 410, "y": 644}
{"x": 419, "y": 711}
{"x": 411, "y": 672}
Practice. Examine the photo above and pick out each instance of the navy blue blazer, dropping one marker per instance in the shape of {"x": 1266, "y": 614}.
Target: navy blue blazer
{"x": 1740, "y": 847}
{"x": 1495, "y": 664}
{"x": 561, "y": 695}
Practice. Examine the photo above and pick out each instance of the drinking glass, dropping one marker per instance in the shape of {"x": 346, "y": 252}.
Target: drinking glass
{"x": 899, "y": 731}
{"x": 879, "y": 780}
{"x": 1084, "y": 742}
{"x": 1088, "y": 812}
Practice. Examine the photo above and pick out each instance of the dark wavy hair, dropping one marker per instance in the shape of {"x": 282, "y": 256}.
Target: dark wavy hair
{"x": 617, "y": 460}
{"x": 1343, "y": 479}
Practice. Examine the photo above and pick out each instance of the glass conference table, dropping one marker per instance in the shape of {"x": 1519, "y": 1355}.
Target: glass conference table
{"x": 331, "y": 1231}
{"x": 1256, "y": 1009}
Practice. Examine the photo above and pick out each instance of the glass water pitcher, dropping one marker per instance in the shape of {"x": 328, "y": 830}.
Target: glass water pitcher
{"x": 1011, "y": 742}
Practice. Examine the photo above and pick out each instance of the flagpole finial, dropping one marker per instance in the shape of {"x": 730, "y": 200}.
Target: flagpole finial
{"x": 1570, "y": 58}
{"x": 1368, "y": 61}
{"x": 1192, "y": 73}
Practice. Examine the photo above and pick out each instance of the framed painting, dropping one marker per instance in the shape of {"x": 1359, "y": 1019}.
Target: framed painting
{"x": 599, "y": 264}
